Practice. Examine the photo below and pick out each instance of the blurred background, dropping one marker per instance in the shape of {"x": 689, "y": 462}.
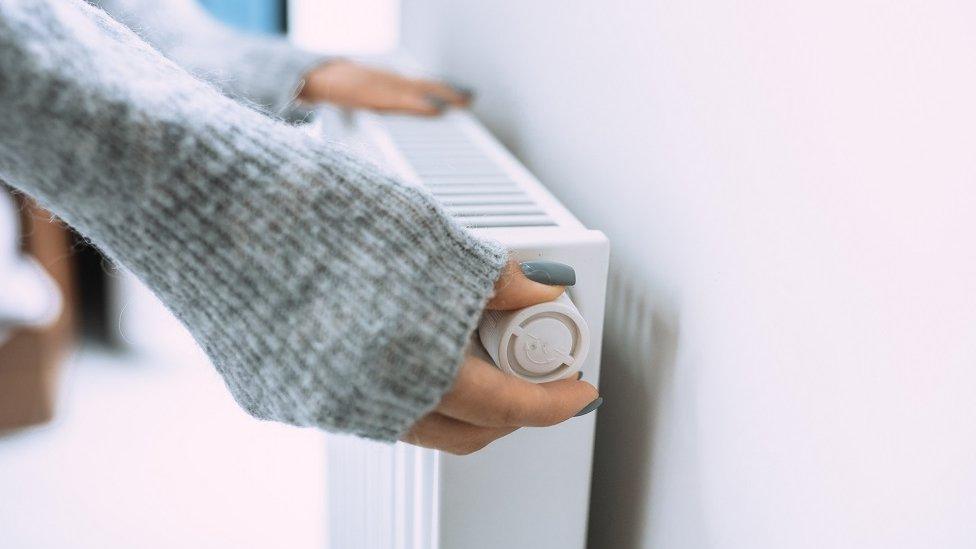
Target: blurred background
{"x": 788, "y": 189}
{"x": 114, "y": 429}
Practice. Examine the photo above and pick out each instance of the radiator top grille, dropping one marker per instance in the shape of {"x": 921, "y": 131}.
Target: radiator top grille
{"x": 475, "y": 188}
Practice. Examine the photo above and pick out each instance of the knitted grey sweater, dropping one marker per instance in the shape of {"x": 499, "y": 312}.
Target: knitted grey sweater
{"x": 265, "y": 71}
{"x": 326, "y": 293}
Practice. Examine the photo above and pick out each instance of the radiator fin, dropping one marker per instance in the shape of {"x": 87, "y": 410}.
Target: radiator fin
{"x": 476, "y": 190}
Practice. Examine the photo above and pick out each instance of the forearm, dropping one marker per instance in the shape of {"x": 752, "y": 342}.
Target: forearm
{"x": 326, "y": 293}
{"x": 263, "y": 70}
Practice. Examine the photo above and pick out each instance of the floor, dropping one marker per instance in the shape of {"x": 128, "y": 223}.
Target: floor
{"x": 149, "y": 450}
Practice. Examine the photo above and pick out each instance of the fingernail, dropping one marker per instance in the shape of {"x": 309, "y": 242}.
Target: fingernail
{"x": 590, "y": 407}
{"x": 438, "y": 103}
{"x": 549, "y": 272}
{"x": 465, "y": 91}
{"x": 579, "y": 375}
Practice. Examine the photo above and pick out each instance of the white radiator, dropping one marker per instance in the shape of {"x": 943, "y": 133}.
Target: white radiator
{"x": 530, "y": 489}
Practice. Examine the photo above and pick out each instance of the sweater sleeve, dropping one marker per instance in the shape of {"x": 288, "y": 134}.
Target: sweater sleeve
{"x": 326, "y": 293}
{"x": 266, "y": 71}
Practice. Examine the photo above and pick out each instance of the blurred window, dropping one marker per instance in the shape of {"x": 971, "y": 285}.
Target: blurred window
{"x": 266, "y": 16}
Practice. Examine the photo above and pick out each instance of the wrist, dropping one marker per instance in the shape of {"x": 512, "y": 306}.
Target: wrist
{"x": 317, "y": 82}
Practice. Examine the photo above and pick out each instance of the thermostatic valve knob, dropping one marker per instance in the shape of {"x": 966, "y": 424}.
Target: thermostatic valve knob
{"x": 540, "y": 343}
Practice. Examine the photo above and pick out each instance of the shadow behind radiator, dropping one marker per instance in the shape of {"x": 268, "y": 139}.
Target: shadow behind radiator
{"x": 641, "y": 343}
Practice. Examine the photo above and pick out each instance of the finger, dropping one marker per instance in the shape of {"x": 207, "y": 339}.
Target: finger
{"x": 483, "y": 395}
{"x": 440, "y": 432}
{"x": 423, "y": 97}
{"x": 409, "y": 102}
{"x": 514, "y": 290}
{"x": 450, "y": 94}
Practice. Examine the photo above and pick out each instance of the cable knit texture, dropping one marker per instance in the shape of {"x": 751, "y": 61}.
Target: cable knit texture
{"x": 326, "y": 293}
{"x": 266, "y": 71}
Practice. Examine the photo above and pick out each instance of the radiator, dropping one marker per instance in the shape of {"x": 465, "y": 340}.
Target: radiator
{"x": 530, "y": 489}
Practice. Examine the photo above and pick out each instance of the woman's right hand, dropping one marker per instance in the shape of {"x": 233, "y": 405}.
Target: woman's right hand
{"x": 486, "y": 404}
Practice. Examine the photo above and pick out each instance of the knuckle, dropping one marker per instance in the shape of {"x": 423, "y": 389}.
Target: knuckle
{"x": 527, "y": 406}
{"x": 552, "y": 414}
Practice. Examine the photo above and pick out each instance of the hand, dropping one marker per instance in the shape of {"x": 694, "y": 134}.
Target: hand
{"x": 485, "y": 404}
{"x": 348, "y": 84}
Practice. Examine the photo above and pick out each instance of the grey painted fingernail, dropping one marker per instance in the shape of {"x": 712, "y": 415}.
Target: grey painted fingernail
{"x": 579, "y": 375}
{"x": 549, "y": 272}
{"x": 465, "y": 91}
{"x": 438, "y": 103}
{"x": 590, "y": 407}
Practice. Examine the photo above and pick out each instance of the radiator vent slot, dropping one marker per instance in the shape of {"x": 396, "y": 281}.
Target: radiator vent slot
{"x": 474, "y": 188}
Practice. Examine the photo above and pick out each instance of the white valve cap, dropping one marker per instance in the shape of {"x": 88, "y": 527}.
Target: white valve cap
{"x": 541, "y": 343}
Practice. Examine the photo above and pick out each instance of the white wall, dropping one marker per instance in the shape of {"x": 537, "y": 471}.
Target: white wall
{"x": 790, "y": 191}
{"x": 344, "y": 26}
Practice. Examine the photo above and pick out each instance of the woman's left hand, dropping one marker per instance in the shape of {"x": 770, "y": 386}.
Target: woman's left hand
{"x": 351, "y": 85}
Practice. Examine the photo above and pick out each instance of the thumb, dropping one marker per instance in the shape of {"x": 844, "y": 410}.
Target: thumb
{"x": 528, "y": 283}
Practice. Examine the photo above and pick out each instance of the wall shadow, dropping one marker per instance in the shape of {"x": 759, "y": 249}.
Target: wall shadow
{"x": 640, "y": 344}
